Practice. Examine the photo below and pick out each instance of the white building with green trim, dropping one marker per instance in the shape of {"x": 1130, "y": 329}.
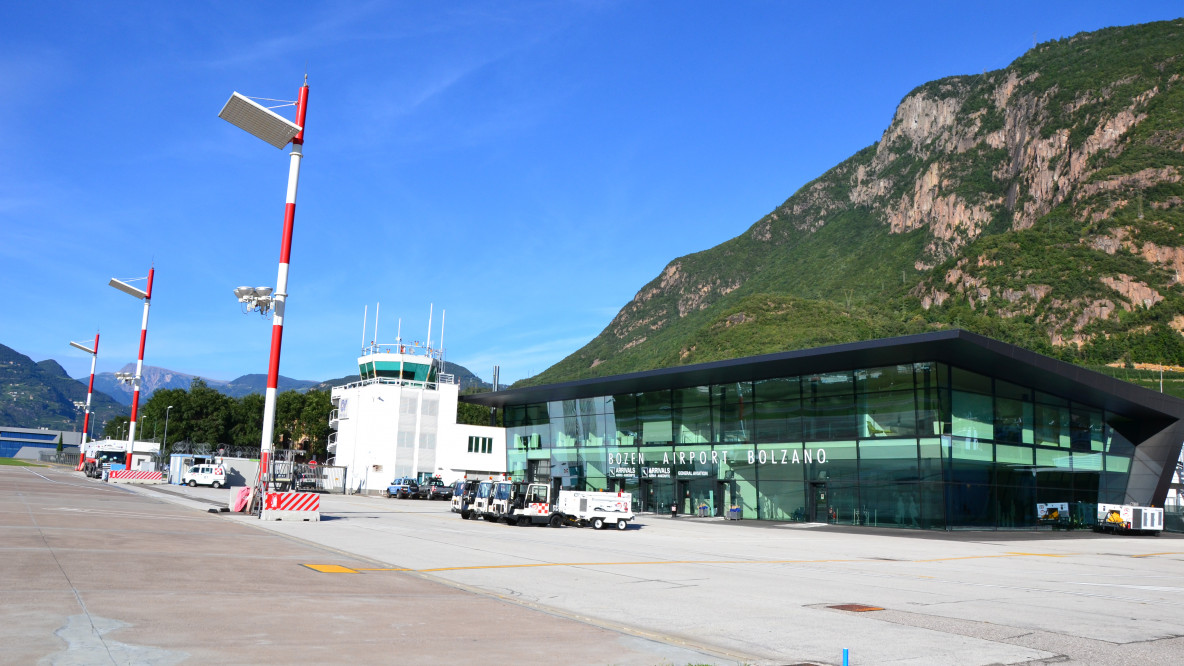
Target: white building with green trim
{"x": 399, "y": 420}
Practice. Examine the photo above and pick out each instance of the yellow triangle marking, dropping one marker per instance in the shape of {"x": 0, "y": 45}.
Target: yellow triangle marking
{"x": 330, "y": 568}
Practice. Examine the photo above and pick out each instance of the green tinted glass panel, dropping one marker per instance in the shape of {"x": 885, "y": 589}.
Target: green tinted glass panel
{"x": 1087, "y": 462}
{"x": 1118, "y": 464}
{"x": 1015, "y": 455}
{"x": 888, "y": 449}
{"x": 888, "y": 378}
{"x": 693, "y": 425}
{"x": 971, "y": 449}
{"x": 886, "y": 414}
{"x": 1051, "y": 458}
{"x": 965, "y": 380}
{"x": 788, "y": 388}
{"x": 828, "y": 384}
{"x": 417, "y": 372}
{"x": 698, "y": 396}
{"x": 387, "y": 368}
{"x": 973, "y": 415}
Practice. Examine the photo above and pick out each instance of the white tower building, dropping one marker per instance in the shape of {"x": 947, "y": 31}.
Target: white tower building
{"x": 399, "y": 420}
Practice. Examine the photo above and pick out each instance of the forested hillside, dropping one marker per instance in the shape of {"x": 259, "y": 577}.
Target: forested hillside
{"x": 42, "y": 395}
{"x": 1039, "y": 204}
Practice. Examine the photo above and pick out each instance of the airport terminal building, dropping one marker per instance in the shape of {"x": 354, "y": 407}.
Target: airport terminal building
{"x": 944, "y": 430}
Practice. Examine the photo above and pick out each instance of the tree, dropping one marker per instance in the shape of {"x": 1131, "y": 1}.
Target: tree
{"x": 248, "y": 421}
{"x": 116, "y": 427}
{"x": 157, "y": 408}
{"x": 59, "y": 442}
{"x": 470, "y": 414}
{"x": 288, "y": 427}
{"x": 314, "y": 418}
{"x": 209, "y": 414}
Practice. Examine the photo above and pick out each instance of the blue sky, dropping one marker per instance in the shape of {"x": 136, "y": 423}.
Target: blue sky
{"x": 524, "y": 166}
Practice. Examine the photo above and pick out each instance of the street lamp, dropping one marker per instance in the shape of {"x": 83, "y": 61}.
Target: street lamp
{"x": 146, "y": 296}
{"x": 94, "y": 355}
{"x": 166, "y": 427}
{"x": 278, "y": 131}
{"x": 78, "y": 405}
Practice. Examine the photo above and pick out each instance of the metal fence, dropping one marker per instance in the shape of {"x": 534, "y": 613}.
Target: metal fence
{"x": 60, "y": 457}
{"x": 1173, "y": 518}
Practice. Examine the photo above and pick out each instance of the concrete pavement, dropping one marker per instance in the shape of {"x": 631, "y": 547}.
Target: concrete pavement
{"x": 665, "y": 591}
{"x": 96, "y": 574}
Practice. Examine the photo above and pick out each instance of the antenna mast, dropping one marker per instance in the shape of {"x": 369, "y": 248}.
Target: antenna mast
{"x": 429, "y": 343}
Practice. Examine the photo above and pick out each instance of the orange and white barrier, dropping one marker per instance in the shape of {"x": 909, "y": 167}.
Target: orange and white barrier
{"x": 134, "y": 476}
{"x": 291, "y": 506}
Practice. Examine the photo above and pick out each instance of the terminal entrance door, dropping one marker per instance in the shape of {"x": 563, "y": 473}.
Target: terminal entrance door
{"x": 657, "y": 495}
{"x": 700, "y": 497}
{"x": 819, "y": 502}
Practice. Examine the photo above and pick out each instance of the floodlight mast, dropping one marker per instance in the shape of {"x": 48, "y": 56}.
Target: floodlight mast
{"x": 94, "y": 355}
{"x": 279, "y": 299}
{"x": 131, "y": 436}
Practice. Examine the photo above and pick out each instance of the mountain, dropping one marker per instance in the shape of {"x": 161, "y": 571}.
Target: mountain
{"x": 42, "y": 395}
{"x": 1040, "y": 204}
{"x": 154, "y": 379}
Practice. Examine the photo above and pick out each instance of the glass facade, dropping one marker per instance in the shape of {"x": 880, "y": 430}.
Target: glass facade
{"x": 917, "y": 445}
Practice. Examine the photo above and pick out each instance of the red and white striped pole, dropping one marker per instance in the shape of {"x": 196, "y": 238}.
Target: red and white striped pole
{"x": 281, "y": 292}
{"x": 90, "y": 389}
{"x": 131, "y": 436}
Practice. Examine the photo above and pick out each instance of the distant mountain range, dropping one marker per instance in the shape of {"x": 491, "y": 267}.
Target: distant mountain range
{"x": 155, "y": 379}
{"x": 42, "y": 395}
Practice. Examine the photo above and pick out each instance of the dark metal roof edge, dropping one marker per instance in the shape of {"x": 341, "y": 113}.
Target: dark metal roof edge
{"x": 954, "y": 346}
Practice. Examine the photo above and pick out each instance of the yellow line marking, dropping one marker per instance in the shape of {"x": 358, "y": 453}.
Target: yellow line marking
{"x": 968, "y": 557}
{"x": 1154, "y": 554}
{"x": 332, "y": 568}
{"x": 385, "y": 569}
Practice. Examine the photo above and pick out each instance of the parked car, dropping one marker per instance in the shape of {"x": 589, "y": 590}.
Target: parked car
{"x": 434, "y": 489}
{"x": 403, "y": 487}
{"x": 206, "y": 475}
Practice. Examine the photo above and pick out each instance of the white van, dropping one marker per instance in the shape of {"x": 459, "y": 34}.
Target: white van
{"x": 205, "y": 475}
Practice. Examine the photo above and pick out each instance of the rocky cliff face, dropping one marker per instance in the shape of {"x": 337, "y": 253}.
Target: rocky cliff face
{"x": 1047, "y": 193}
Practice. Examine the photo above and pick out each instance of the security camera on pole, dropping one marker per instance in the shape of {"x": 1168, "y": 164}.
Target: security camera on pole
{"x": 278, "y": 131}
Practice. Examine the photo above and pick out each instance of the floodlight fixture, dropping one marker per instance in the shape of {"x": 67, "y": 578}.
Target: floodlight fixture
{"x": 251, "y": 116}
{"x": 128, "y": 289}
{"x": 79, "y": 345}
{"x": 94, "y": 357}
{"x": 125, "y": 377}
{"x": 279, "y": 132}
{"x": 255, "y": 298}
